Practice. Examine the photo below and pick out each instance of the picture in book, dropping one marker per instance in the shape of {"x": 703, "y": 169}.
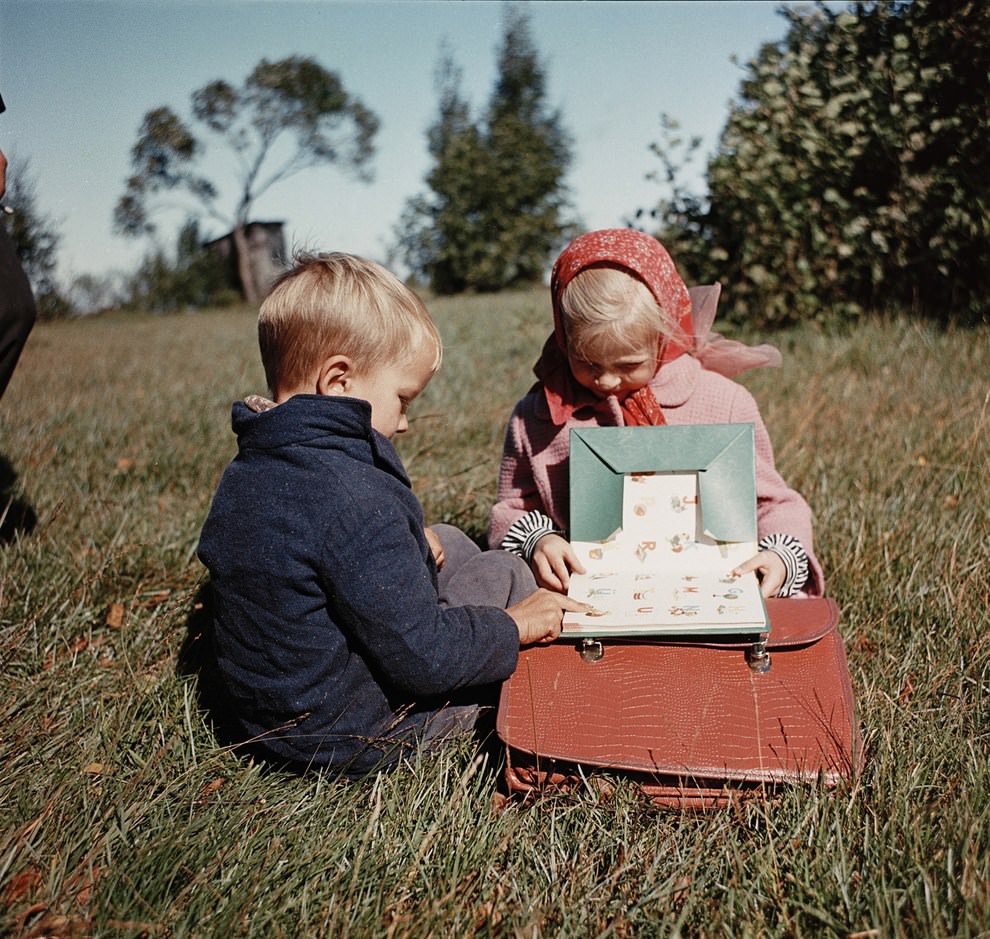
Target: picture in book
{"x": 661, "y": 572}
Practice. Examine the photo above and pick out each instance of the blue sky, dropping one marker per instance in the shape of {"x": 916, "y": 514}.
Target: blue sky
{"x": 77, "y": 77}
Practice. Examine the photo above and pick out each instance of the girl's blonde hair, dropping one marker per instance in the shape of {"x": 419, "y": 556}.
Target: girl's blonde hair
{"x": 612, "y": 307}
{"x": 339, "y": 304}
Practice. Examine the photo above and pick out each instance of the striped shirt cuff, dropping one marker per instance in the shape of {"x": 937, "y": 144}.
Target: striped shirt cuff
{"x": 525, "y": 532}
{"x": 790, "y": 550}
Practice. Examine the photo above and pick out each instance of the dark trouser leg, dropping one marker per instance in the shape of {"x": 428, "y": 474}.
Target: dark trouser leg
{"x": 17, "y": 311}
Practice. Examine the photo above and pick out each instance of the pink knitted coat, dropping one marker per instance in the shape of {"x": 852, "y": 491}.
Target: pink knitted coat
{"x": 534, "y": 469}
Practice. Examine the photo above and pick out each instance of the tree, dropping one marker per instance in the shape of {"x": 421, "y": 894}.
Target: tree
{"x": 496, "y": 207}
{"x": 36, "y": 239}
{"x": 681, "y": 213}
{"x": 192, "y": 278}
{"x": 288, "y": 116}
{"x": 853, "y": 172}
{"x": 436, "y": 235}
{"x": 95, "y": 293}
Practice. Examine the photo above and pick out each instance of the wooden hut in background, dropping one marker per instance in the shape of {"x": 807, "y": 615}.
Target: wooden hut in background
{"x": 251, "y": 269}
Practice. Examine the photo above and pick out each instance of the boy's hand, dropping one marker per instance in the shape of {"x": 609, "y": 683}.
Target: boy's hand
{"x": 552, "y": 562}
{"x": 434, "y": 542}
{"x": 539, "y": 616}
{"x": 769, "y": 568}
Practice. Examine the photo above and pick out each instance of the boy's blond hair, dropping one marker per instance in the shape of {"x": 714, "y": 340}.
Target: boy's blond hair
{"x": 604, "y": 306}
{"x": 339, "y": 304}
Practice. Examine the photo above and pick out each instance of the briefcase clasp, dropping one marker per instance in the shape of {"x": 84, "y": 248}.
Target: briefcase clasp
{"x": 757, "y": 657}
{"x": 591, "y": 650}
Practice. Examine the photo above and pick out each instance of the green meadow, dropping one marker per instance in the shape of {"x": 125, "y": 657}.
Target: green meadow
{"x": 120, "y": 815}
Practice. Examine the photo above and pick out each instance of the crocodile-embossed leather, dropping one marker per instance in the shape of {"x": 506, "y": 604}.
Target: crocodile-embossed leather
{"x": 688, "y": 721}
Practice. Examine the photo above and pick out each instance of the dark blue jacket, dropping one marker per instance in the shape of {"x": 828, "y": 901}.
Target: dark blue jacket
{"x": 328, "y": 633}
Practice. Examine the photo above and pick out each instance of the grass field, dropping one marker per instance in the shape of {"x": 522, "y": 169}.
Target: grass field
{"x": 120, "y": 815}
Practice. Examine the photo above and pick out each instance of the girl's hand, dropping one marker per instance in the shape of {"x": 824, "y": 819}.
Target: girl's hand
{"x": 770, "y": 570}
{"x": 552, "y": 562}
{"x": 434, "y": 542}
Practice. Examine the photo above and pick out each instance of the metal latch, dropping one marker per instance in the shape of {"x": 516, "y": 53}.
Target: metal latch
{"x": 591, "y": 650}
{"x": 758, "y": 658}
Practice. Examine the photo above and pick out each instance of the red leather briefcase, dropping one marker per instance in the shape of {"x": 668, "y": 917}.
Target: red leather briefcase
{"x": 691, "y": 723}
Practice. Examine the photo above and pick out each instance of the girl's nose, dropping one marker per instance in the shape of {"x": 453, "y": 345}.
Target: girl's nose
{"x": 607, "y": 381}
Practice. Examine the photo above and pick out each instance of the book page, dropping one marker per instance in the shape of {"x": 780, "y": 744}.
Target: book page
{"x": 661, "y": 571}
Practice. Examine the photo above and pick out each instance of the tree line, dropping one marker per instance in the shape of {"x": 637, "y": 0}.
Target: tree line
{"x": 851, "y": 175}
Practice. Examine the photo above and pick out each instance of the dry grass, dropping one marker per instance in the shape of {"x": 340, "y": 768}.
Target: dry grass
{"x": 119, "y": 814}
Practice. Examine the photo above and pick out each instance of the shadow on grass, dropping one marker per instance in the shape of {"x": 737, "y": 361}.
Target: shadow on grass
{"x": 16, "y": 514}
{"x": 196, "y": 660}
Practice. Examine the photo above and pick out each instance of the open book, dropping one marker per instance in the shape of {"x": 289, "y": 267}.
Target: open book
{"x": 663, "y": 569}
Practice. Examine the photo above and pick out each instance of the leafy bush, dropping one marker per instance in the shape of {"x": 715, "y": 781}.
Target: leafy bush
{"x": 852, "y": 174}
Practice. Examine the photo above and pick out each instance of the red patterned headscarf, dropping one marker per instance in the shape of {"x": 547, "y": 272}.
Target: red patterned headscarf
{"x": 641, "y": 257}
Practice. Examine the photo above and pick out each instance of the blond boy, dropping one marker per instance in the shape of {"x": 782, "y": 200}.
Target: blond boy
{"x": 343, "y": 634}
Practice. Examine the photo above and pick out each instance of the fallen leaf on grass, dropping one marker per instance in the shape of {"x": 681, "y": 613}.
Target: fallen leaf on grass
{"x": 115, "y": 616}
{"x": 137, "y": 927}
{"x": 80, "y": 644}
{"x": 155, "y": 598}
{"x": 487, "y": 915}
{"x": 500, "y": 801}
{"x": 22, "y": 885}
{"x": 395, "y": 919}
{"x": 125, "y": 464}
{"x": 209, "y": 789}
{"x": 907, "y": 688}
{"x": 83, "y": 881}
{"x": 54, "y": 926}
{"x": 94, "y": 769}
{"x": 951, "y": 501}
{"x": 863, "y": 646}
{"x": 85, "y": 895}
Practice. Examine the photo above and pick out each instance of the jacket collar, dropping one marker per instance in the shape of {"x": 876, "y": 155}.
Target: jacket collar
{"x": 319, "y": 422}
{"x": 676, "y": 381}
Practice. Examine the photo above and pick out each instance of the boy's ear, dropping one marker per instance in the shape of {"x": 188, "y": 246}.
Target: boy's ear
{"x": 335, "y": 376}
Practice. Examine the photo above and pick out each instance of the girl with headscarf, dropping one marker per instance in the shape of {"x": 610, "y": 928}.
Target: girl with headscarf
{"x": 633, "y": 346}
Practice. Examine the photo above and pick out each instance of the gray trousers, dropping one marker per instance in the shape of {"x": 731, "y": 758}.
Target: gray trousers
{"x": 472, "y": 577}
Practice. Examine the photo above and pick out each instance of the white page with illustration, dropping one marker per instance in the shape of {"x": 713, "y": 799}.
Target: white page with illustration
{"x": 661, "y": 571}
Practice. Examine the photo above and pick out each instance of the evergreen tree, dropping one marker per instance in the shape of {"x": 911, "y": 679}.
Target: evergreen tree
{"x": 437, "y": 236}
{"x": 496, "y": 208}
